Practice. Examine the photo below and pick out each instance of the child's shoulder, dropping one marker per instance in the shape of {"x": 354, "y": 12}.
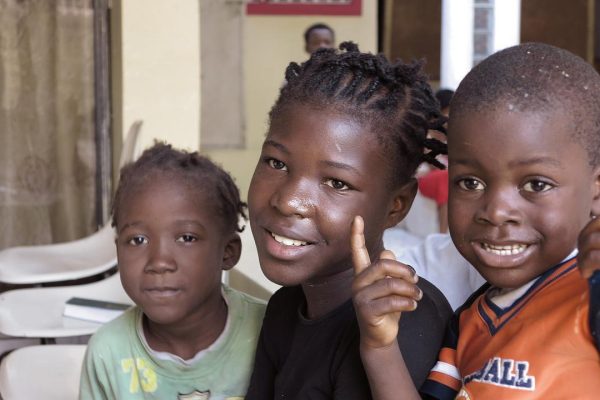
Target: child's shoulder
{"x": 433, "y": 295}
{"x": 243, "y": 302}
{"x": 117, "y": 330}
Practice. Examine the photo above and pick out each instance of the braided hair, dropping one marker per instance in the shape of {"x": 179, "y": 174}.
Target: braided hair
{"x": 192, "y": 169}
{"x": 393, "y": 99}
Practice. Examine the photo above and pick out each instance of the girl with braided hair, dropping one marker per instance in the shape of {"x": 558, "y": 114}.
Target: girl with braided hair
{"x": 345, "y": 138}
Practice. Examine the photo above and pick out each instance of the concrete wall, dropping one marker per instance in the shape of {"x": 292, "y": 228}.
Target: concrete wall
{"x": 155, "y": 53}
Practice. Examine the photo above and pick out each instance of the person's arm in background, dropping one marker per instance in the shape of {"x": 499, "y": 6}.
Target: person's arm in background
{"x": 588, "y": 260}
{"x": 443, "y": 217}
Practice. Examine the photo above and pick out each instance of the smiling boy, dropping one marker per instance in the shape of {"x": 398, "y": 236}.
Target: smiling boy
{"x": 524, "y": 173}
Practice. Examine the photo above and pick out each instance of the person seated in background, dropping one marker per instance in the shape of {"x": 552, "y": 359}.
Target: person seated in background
{"x": 177, "y": 217}
{"x": 318, "y": 36}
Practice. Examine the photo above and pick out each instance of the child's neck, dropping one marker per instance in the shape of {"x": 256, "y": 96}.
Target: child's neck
{"x": 187, "y": 339}
{"x": 327, "y": 294}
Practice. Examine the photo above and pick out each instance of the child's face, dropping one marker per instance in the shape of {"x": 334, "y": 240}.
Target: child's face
{"x": 520, "y": 191}
{"x": 318, "y": 170}
{"x": 171, "y": 250}
{"x": 319, "y": 38}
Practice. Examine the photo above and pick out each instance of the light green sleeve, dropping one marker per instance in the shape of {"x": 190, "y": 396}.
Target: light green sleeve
{"x": 93, "y": 378}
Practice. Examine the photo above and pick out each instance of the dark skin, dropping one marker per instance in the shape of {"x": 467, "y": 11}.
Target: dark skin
{"x": 172, "y": 248}
{"x": 513, "y": 216}
{"x": 317, "y": 170}
{"x": 508, "y": 213}
{"x": 588, "y": 258}
{"x": 319, "y": 38}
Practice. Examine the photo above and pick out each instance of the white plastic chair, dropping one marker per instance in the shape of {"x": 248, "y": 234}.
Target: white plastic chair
{"x": 38, "y": 312}
{"x": 82, "y": 258}
{"x": 50, "y": 372}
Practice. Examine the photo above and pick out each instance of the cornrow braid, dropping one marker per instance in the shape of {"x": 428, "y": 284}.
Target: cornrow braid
{"x": 393, "y": 99}
{"x": 190, "y": 168}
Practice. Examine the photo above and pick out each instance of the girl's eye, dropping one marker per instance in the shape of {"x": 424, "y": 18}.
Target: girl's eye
{"x": 137, "y": 241}
{"x": 187, "y": 238}
{"x": 471, "y": 184}
{"x": 276, "y": 164}
{"x": 537, "y": 186}
{"x": 337, "y": 184}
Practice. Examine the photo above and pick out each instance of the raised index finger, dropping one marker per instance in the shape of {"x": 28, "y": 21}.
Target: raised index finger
{"x": 360, "y": 254}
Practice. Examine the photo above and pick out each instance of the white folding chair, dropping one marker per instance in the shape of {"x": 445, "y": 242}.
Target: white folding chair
{"x": 82, "y": 258}
{"x": 38, "y": 312}
{"x": 49, "y": 372}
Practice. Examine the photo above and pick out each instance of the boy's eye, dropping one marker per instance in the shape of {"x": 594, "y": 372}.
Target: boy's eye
{"x": 537, "y": 186}
{"x": 337, "y": 184}
{"x": 471, "y": 184}
{"x": 276, "y": 164}
{"x": 137, "y": 241}
{"x": 187, "y": 238}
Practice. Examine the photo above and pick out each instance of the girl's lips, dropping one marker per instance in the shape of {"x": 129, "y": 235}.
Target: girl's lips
{"x": 288, "y": 241}
{"x": 284, "y": 248}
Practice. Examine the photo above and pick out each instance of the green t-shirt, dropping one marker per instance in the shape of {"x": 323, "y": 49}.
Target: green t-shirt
{"x": 119, "y": 365}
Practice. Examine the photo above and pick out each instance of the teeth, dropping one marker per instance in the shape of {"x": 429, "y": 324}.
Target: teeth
{"x": 504, "y": 250}
{"x": 288, "y": 241}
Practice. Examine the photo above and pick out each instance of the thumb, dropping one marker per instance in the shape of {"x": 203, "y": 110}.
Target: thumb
{"x": 360, "y": 254}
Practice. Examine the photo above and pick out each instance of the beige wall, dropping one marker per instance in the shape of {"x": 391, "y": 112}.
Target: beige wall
{"x": 271, "y": 42}
{"x": 156, "y": 69}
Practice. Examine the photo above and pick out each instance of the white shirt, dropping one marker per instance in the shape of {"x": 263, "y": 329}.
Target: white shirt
{"x": 436, "y": 259}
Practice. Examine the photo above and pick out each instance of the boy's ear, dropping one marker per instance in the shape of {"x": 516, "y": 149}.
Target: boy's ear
{"x": 401, "y": 202}
{"x": 232, "y": 253}
{"x": 596, "y": 192}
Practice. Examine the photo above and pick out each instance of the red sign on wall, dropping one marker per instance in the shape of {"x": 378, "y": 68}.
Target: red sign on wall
{"x": 304, "y": 7}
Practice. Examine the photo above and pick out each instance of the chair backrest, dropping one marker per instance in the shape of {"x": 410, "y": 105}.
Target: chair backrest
{"x": 38, "y": 312}
{"x": 131, "y": 146}
{"x": 49, "y": 372}
{"x": 77, "y": 259}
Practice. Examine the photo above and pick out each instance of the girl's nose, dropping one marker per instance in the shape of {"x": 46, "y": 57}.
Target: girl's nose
{"x": 293, "y": 198}
{"x": 500, "y": 207}
{"x": 161, "y": 258}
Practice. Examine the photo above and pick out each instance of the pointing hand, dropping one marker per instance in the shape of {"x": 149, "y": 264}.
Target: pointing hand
{"x": 382, "y": 290}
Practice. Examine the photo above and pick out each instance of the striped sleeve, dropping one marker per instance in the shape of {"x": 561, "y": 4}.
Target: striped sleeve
{"x": 444, "y": 380}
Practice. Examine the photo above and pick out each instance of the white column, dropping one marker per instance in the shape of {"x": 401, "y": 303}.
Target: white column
{"x": 507, "y": 23}
{"x": 457, "y": 41}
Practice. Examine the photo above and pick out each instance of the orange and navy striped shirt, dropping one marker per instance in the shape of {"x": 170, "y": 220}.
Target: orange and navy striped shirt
{"x": 540, "y": 347}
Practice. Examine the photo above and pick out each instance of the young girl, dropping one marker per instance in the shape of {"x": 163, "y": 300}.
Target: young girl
{"x": 346, "y": 136}
{"x": 176, "y": 216}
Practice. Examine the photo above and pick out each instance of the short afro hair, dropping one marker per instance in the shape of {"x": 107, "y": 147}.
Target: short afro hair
{"x": 318, "y": 25}
{"x": 536, "y": 77}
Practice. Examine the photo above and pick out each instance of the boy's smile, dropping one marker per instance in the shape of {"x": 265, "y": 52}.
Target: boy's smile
{"x": 317, "y": 170}
{"x": 521, "y": 189}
